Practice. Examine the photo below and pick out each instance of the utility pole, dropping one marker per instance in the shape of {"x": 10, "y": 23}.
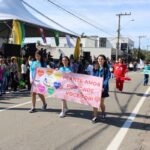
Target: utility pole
{"x": 118, "y": 31}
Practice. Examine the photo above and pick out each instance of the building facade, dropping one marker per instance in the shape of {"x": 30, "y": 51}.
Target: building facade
{"x": 94, "y": 45}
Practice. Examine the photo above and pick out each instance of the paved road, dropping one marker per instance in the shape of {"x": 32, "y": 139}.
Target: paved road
{"x": 20, "y": 130}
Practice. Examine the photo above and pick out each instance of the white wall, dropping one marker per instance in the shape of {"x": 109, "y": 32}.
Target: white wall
{"x": 68, "y": 51}
{"x": 113, "y": 41}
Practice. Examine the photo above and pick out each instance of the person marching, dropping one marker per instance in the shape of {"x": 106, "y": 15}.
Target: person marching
{"x": 146, "y": 75}
{"x": 64, "y": 67}
{"x": 120, "y": 70}
{"x": 102, "y": 71}
{"x": 37, "y": 63}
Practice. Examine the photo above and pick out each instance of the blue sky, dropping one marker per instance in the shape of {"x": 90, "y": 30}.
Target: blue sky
{"x": 102, "y": 13}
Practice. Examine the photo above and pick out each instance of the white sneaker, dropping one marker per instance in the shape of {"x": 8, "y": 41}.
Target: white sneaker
{"x": 63, "y": 113}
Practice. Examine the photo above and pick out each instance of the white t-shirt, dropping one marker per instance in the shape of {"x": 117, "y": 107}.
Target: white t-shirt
{"x": 23, "y": 69}
{"x": 89, "y": 69}
{"x": 131, "y": 65}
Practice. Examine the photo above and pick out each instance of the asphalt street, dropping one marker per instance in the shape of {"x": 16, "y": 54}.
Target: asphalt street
{"x": 126, "y": 122}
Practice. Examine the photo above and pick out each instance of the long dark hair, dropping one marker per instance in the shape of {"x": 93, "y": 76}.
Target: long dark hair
{"x": 66, "y": 57}
{"x": 105, "y": 63}
{"x": 38, "y": 52}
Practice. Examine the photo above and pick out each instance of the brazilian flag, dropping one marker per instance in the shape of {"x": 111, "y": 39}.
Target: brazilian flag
{"x": 77, "y": 49}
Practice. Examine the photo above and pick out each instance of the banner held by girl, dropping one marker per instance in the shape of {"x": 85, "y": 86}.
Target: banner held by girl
{"x": 83, "y": 89}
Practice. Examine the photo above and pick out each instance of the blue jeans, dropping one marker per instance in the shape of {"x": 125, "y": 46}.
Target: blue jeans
{"x": 4, "y": 85}
{"x": 146, "y": 77}
{"x": 1, "y": 87}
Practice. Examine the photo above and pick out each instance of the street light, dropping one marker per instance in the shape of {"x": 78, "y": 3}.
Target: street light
{"x": 127, "y": 50}
{"x": 118, "y": 31}
{"x": 125, "y": 25}
{"x": 141, "y": 36}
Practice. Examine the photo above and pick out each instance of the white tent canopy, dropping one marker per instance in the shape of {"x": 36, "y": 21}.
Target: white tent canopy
{"x": 15, "y": 10}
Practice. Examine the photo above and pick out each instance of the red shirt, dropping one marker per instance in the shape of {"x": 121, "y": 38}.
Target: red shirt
{"x": 120, "y": 70}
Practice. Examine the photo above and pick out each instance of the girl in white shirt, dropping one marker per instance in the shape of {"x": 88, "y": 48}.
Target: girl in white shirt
{"x": 23, "y": 70}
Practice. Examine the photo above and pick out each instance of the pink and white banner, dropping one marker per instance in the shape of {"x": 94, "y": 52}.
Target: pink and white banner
{"x": 83, "y": 89}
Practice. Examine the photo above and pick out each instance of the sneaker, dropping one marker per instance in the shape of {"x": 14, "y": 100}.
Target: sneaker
{"x": 94, "y": 120}
{"x": 32, "y": 110}
{"x": 44, "y": 107}
{"x": 103, "y": 117}
{"x": 63, "y": 113}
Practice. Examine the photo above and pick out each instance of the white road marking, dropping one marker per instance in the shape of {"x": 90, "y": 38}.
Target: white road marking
{"x": 116, "y": 142}
{"x": 22, "y": 104}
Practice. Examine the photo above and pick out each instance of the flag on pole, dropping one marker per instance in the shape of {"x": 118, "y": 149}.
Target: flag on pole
{"x": 42, "y": 35}
{"x": 141, "y": 64}
{"x": 57, "y": 38}
{"x": 18, "y": 32}
{"x": 22, "y": 33}
{"x": 68, "y": 41}
{"x": 77, "y": 49}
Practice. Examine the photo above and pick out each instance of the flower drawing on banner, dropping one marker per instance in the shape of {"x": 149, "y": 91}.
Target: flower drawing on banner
{"x": 47, "y": 82}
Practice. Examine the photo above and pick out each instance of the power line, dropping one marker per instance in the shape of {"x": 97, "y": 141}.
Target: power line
{"x": 78, "y": 17}
{"x": 54, "y": 21}
{"x": 82, "y": 16}
{"x": 49, "y": 18}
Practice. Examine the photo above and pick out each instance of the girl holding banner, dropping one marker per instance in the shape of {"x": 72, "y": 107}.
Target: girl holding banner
{"x": 64, "y": 67}
{"x": 38, "y": 63}
{"x": 104, "y": 72}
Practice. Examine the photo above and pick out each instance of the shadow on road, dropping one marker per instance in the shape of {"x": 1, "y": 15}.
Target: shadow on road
{"x": 113, "y": 119}
{"x": 14, "y": 95}
{"x": 124, "y": 108}
{"x": 118, "y": 122}
{"x": 131, "y": 93}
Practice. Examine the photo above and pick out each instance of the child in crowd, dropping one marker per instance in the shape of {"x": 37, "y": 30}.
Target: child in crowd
{"x": 15, "y": 82}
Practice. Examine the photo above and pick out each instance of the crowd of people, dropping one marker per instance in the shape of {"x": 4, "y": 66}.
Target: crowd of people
{"x": 12, "y": 76}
